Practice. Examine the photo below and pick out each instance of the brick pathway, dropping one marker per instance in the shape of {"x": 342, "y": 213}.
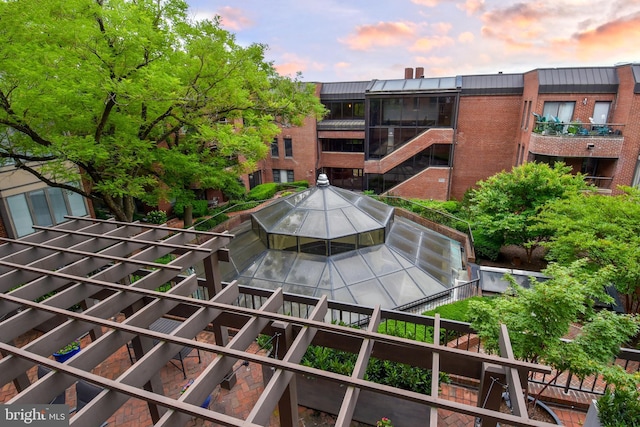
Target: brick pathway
{"x": 241, "y": 399}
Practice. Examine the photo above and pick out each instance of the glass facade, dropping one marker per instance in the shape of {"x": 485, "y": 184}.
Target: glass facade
{"x": 392, "y": 122}
{"x": 344, "y": 110}
{"x": 44, "y": 207}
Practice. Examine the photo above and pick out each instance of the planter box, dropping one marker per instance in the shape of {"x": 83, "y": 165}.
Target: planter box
{"x": 326, "y": 396}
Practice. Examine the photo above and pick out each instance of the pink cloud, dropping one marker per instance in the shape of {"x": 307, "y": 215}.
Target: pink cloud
{"x": 471, "y": 7}
{"x": 382, "y": 34}
{"x": 427, "y": 3}
{"x": 426, "y": 44}
{"x": 466, "y": 37}
{"x": 293, "y": 64}
{"x": 621, "y": 34}
{"x": 442, "y": 27}
{"x": 234, "y": 19}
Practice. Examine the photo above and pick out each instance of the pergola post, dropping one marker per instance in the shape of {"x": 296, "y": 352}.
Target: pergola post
{"x": 490, "y": 392}
{"x": 214, "y": 287}
{"x": 288, "y": 403}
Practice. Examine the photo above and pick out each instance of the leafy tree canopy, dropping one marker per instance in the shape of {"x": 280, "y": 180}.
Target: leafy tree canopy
{"x": 145, "y": 102}
{"x": 504, "y": 206}
{"x": 605, "y": 230}
{"x": 538, "y": 317}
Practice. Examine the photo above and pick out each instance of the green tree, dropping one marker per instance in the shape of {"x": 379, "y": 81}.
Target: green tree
{"x": 142, "y": 101}
{"x": 504, "y": 206}
{"x": 538, "y": 317}
{"x": 603, "y": 229}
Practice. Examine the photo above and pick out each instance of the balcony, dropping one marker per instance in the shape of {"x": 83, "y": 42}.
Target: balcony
{"x": 575, "y": 139}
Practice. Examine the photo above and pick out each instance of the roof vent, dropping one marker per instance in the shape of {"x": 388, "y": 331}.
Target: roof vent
{"x": 322, "y": 181}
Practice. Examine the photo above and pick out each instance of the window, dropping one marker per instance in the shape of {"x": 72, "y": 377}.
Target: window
{"x": 344, "y": 110}
{"x": 601, "y": 112}
{"x": 288, "y": 147}
{"x": 44, "y": 207}
{"x": 636, "y": 177}
{"x": 343, "y": 145}
{"x": 282, "y": 175}
{"x": 274, "y": 147}
{"x": 562, "y": 110}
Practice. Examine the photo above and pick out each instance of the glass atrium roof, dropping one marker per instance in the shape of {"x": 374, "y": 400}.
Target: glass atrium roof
{"x": 348, "y": 246}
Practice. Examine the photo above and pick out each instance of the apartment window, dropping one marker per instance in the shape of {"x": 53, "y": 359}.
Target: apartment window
{"x": 44, "y": 207}
{"x": 288, "y": 147}
{"x": 636, "y": 177}
{"x": 282, "y": 175}
{"x": 274, "y": 148}
{"x": 562, "y": 110}
{"x": 601, "y": 112}
{"x": 343, "y": 145}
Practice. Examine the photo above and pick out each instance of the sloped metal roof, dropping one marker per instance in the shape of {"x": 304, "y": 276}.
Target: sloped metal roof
{"x": 495, "y": 84}
{"x": 582, "y": 80}
{"x": 341, "y": 125}
{"x": 343, "y": 90}
{"x": 415, "y": 85}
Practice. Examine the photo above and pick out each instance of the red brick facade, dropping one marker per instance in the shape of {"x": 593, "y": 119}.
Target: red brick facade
{"x": 493, "y": 132}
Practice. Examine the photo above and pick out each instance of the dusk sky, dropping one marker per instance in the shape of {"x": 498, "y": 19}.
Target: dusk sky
{"x": 351, "y": 40}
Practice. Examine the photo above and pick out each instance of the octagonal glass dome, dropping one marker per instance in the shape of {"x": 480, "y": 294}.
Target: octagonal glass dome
{"x": 323, "y": 220}
{"x": 330, "y": 241}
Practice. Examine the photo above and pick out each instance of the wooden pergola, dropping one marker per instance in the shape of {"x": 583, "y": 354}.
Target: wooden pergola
{"x": 90, "y": 263}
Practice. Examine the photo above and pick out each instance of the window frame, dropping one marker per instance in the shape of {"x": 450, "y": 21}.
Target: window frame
{"x": 288, "y": 147}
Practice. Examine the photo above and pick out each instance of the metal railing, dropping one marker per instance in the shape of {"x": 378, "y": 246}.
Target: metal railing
{"x": 416, "y": 326}
{"x": 430, "y": 214}
{"x": 578, "y": 129}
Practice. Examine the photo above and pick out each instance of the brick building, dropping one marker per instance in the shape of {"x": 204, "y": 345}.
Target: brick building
{"x": 436, "y": 137}
{"x": 423, "y": 137}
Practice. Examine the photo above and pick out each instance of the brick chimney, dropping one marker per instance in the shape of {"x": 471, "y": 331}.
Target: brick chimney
{"x": 419, "y": 72}
{"x": 408, "y": 73}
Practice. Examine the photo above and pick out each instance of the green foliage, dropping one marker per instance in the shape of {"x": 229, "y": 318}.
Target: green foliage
{"x": 486, "y": 246}
{"x": 74, "y": 345}
{"x": 620, "y": 406}
{"x": 538, "y": 317}
{"x": 147, "y": 103}
{"x": 263, "y": 191}
{"x": 504, "y": 207}
{"x": 156, "y": 217}
{"x": 603, "y": 229}
{"x": 297, "y": 184}
{"x": 458, "y": 310}
{"x": 210, "y": 223}
{"x": 200, "y": 208}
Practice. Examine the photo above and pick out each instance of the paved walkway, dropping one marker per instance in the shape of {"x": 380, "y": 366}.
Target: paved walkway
{"x": 239, "y": 401}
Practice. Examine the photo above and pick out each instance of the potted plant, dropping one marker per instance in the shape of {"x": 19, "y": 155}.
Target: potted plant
{"x": 67, "y": 351}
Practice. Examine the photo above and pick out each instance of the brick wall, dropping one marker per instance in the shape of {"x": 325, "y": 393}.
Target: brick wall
{"x": 486, "y": 139}
{"x": 575, "y": 146}
{"x": 431, "y": 183}
{"x": 627, "y": 111}
{"x": 331, "y": 159}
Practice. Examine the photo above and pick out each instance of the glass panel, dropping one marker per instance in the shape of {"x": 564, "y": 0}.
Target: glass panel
{"x": 401, "y": 287}
{"x": 601, "y": 112}
{"x": 391, "y": 111}
{"x": 20, "y": 216}
{"x": 58, "y": 205}
{"x": 40, "y": 208}
{"x": 343, "y": 244}
{"x": 371, "y": 293}
{"x": 428, "y": 284}
{"x": 275, "y": 265}
{"x": 370, "y": 238}
{"x": 313, "y": 246}
{"x": 339, "y": 224}
{"x": 315, "y": 225}
{"x": 333, "y": 200}
{"x": 381, "y": 260}
{"x": 291, "y": 222}
{"x": 283, "y": 242}
{"x": 352, "y": 268}
{"x": 306, "y": 270}
{"x": 77, "y": 204}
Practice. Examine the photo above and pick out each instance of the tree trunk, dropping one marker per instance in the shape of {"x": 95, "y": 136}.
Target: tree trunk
{"x": 188, "y": 216}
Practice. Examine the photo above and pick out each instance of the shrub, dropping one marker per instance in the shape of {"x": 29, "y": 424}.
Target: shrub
{"x": 199, "y": 207}
{"x": 485, "y": 247}
{"x": 156, "y": 217}
{"x": 210, "y": 223}
{"x": 263, "y": 191}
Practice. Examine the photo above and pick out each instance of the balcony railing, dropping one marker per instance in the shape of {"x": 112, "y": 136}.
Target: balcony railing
{"x": 557, "y": 128}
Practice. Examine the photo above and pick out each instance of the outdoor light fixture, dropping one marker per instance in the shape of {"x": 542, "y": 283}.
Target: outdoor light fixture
{"x": 591, "y": 146}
